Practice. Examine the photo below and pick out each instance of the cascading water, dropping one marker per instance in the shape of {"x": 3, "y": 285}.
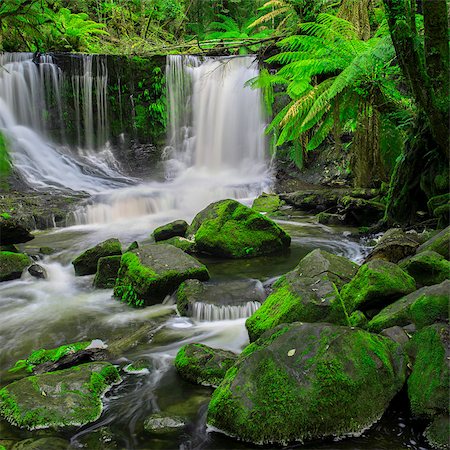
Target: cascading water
{"x": 210, "y": 313}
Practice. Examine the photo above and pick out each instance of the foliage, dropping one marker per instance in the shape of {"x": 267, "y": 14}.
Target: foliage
{"x": 5, "y": 163}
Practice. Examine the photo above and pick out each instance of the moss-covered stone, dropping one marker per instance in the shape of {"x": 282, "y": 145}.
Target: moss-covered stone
{"x": 376, "y": 284}
{"x": 440, "y": 243}
{"x": 45, "y": 443}
{"x": 70, "y": 397}
{"x": 438, "y": 432}
{"x": 231, "y": 230}
{"x": 86, "y": 263}
{"x": 203, "y": 365}
{"x": 12, "y": 231}
{"x": 329, "y": 219}
{"x": 161, "y": 424}
{"x": 133, "y": 246}
{"x": 46, "y": 250}
{"x": 308, "y": 381}
{"x": 393, "y": 246}
{"x": 187, "y": 245}
{"x": 107, "y": 270}
{"x": 151, "y": 272}
{"x": 357, "y": 319}
{"x": 429, "y": 381}
{"x": 427, "y": 268}
{"x": 12, "y": 265}
{"x": 422, "y": 307}
{"x": 359, "y": 211}
{"x": 306, "y": 294}
{"x": 9, "y": 248}
{"x": 170, "y": 230}
{"x": 267, "y": 203}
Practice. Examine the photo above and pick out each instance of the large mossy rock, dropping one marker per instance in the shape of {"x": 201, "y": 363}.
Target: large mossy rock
{"x": 231, "y": 230}
{"x": 151, "y": 272}
{"x": 170, "y": 230}
{"x": 267, "y": 203}
{"x": 308, "y": 381}
{"x": 86, "y": 263}
{"x": 377, "y": 284}
{"x": 203, "y": 365}
{"x": 393, "y": 246}
{"x": 70, "y": 397}
{"x": 439, "y": 244}
{"x": 427, "y": 268}
{"x": 12, "y": 231}
{"x": 306, "y": 294}
{"x": 12, "y": 265}
{"x": 422, "y": 307}
{"x": 438, "y": 432}
{"x": 107, "y": 270}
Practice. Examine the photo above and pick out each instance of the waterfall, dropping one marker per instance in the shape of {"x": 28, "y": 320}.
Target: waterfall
{"x": 208, "y": 312}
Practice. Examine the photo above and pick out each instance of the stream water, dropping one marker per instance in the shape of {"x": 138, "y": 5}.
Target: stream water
{"x": 211, "y": 155}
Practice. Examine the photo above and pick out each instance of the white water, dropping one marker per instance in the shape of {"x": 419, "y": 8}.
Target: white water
{"x": 208, "y": 312}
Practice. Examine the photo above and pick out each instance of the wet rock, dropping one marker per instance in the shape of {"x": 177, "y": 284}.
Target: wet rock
{"x": 148, "y": 274}
{"x": 70, "y": 397}
{"x": 163, "y": 424}
{"x": 306, "y": 294}
{"x": 37, "y": 271}
{"x": 438, "y": 432}
{"x": 139, "y": 366}
{"x": 187, "y": 245}
{"x": 438, "y": 243}
{"x": 52, "y": 443}
{"x": 330, "y": 219}
{"x": 397, "y": 334}
{"x": 313, "y": 200}
{"x": 12, "y": 231}
{"x": 133, "y": 246}
{"x": 306, "y": 382}
{"x": 86, "y": 263}
{"x": 220, "y": 294}
{"x": 377, "y": 284}
{"x": 100, "y": 439}
{"x": 172, "y": 229}
{"x": 107, "y": 270}
{"x": 231, "y": 230}
{"x": 12, "y": 265}
{"x": 267, "y": 203}
{"x": 46, "y": 250}
{"x": 360, "y": 212}
{"x": 143, "y": 334}
{"x": 393, "y": 246}
{"x": 427, "y": 268}
{"x": 9, "y": 248}
{"x": 422, "y": 307}
{"x": 203, "y": 365}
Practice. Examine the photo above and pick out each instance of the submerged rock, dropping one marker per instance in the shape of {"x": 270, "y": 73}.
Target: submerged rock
{"x": 304, "y": 382}
{"x": 86, "y": 263}
{"x": 70, "y": 397}
{"x": 427, "y": 268}
{"x": 37, "y": 271}
{"x": 267, "y": 203}
{"x": 438, "y": 243}
{"x": 203, "y": 365}
{"x": 393, "y": 246}
{"x": 12, "y": 265}
{"x": 12, "y": 231}
{"x": 151, "y": 272}
{"x": 170, "y": 230}
{"x": 422, "y": 307}
{"x": 306, "y": 294}
{"x": 107, "y": 270}
{"x": 231, "y": 230}
{"x": 45, "y": 443}
{"x": 163, "y": 424}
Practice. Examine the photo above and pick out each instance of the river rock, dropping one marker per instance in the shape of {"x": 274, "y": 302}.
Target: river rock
{"x": 172, "y": 229}
{"x": 219, "y": 294}
{"x": 9, "y": 248}
{"x": 267, "y": 203}
{"x": 86, "y": 263}
{"x": 12, "y": 265}
{"x": 438, "y": 243}
{"x": 330, "y": 219}
{"x": 306, "y": 294}
{"x": 12, "y": 231}
{"x": 313, "y": 200}
{"x": 203, "y": 365}
{"x": 151, "y": 272}
{"x": 377, "y": 284}
{"x": 427, "y": 268}
{"x": 304, "y": 382}
{"x": 438, "y": 432}
{"x": 107, "y": 270}
{"x": 231, "y": 230}
{"x": 360, "y": 212}
{"x": 45, "y": 443}
{"x": 163, "y": 424}
{"x": 70, "y": 397}
{"x": 187, "y": 245}
{"x": 393, "y": 246}
{"x": 37, "y": 271}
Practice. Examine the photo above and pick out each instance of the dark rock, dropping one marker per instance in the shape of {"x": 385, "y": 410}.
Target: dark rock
{"x": 12, "y": 231}
{"x": 151, "y": 272}
{"x": 12, "y": 265}
{"x": 393, "y": 246}
{"x": 313, "y": 200}
{"x": 45, "y": 443}
{"x": 438, "y": 432}
{"x": 163, "y": 424}
{"x": 133, "y": 246}
{"x": 438, "y": 243}
{"x": 427, "y": 268}
{"x": 330, "y": 219}
{"x": 203, "y": 365}
{"x": 107, "y": 270}
{"x": 397, "y": 334}
{"x": 9, "y": 248}
{"x": 360, "y": 212}
{"x": 308, "y": 382}
{"x": 86, "y": 263}
{"x": 37, "y": 271}
{"x": 172, "y": 229}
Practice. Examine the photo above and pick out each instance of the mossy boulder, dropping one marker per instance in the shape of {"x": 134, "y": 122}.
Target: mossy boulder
{"x": 429, "y": 381}
{"x": 107, "y": 270}
{"x": 12, "y": 265}
{"x": 438, "y": 432}
{"x": 86, "y": 263}
{"x": 427, "y": 268}
{"x": 162, "y": 424}
{"x": 440, "y": 243}
{"x": 172, "y": 229}
{"x": 187, "y": 245}
{"x": 303, "y": 382}
{"x": 267, "y": 203}
{"x": 330, "y": 219}
{"x": 231, "y": 230}
{"x": 44, "y": 443}
{"x": 220, "y": 294}
{"x": 360, "y": 212}
{"x": 306, "y": 294}
{"x": 203, "y": 365}
{"x": 151, "y": 272}
{"x": 313, "y": 200}
{"x": 422, "y": 307}
{"x": 377, "y": 284}
{"x": 12, "y": 231}
{"x": 70, "y": 397}
{"x": 393, "y": 246}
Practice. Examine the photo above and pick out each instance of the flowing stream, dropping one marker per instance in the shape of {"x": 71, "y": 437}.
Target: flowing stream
{"x": 216, "y": 149}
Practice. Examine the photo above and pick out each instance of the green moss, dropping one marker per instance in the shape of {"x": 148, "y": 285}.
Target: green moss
{"x": 427, "y": 268}
{"x": 267, "y": 203}
{"x": 107, "y": 269}
{"x": 12, "y": 265}
{"x": 357, "y": 319}
{"x": 438, "y": 433}
{"x": 182, "y": 243}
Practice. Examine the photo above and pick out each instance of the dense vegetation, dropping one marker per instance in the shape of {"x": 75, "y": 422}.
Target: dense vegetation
{"x": 367, "y": 77}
